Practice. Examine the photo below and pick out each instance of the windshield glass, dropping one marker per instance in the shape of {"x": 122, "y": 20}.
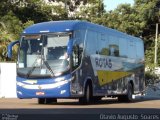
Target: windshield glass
{"x": 43, "y": 55}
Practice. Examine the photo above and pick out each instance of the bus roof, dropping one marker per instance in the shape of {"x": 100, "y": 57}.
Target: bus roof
{"x": 52, "y": 26}
{"x": 70, "y": 25}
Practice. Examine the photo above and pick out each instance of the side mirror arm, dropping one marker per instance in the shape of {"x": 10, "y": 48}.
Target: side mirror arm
{"x": 10, "y": 46}
{"x": 70, "y": 47}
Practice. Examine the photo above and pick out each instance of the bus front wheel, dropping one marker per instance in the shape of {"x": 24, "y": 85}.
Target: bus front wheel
{"x": 86, "y": 99}
{"x": 47, "y": 100}
{"x": 41, "y": 100}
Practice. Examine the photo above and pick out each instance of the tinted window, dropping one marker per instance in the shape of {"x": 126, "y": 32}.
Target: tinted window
{"x": 123, "y": 46}
{"x": 103, "y": 44}
{"x": 91, "y": 43}
{"x": 113, "y": 46}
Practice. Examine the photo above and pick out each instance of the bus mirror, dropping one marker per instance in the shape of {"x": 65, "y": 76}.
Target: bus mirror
{"x": 10, "y": 46}
{"x": 70, "y": 47}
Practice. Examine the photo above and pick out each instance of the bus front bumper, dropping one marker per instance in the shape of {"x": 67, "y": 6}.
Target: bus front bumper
{"x": 60, "y": 89}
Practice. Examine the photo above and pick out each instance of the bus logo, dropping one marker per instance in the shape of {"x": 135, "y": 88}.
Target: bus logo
{"x": 39, "y": 87}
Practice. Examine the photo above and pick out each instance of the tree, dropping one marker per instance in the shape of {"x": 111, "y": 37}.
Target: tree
{"x": 81, "y": 9}
{"x": 4, "y": 40}
{"x": 138, "y": 20}
{"x": 124, "y": 18}
{"x": 149, "y": 13}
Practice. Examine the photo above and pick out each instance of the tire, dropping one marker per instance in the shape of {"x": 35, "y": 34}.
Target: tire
{"x": 41, "y": 100}
{"x": 50, "y": 100}
{"x": 86, "y": 99}
{"x": 96, "y": 99}
{"x": 46, "y": 100}
{"x": 129, "y": 93}
{"x": 121, "y": 98}
{"x": 128, "y": 96}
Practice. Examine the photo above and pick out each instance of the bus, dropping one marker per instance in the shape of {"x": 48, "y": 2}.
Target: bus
{"x": 78, "y": 59}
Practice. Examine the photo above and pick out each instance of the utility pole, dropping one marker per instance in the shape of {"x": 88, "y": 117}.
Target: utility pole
{"x": 156, "y": 39}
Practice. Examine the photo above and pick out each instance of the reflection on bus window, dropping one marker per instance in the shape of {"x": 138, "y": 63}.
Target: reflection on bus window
{"x": 114, "y": 50}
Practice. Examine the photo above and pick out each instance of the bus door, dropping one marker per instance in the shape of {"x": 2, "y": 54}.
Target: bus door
{"x": 76, "y": 61}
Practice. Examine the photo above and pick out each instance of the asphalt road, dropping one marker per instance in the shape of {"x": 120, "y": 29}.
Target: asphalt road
{"x": 70, "y": 109}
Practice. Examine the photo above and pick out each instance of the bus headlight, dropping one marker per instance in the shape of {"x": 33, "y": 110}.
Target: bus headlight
{"x": 63, "y": 78}
{"x": 59, "y": 79}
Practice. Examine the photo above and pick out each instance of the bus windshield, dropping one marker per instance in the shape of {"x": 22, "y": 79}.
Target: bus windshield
{"x": 43, "y": 55}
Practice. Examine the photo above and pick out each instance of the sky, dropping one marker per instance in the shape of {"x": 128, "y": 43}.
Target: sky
{"x": 112, "y": 4}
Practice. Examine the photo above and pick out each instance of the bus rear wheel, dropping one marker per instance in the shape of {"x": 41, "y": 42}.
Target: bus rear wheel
{"x": 97, "y": 98}
{"x": 47, "y": 100}
{"x": 128, "y": 96}
{"x": 129, "y": 93}
{"x": 86, "y": 99}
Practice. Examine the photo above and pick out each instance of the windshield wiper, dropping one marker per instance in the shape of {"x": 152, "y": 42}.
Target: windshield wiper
{"x": 42, "y": 57}
{"x": 33, "y": 67}
{"x": 42, "y": 61}
{"x": 49, "y": 68}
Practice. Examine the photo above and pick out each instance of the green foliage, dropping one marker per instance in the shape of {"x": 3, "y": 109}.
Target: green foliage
{"x": 125, "y": 18}
{"x": 28, "y": 23}
{"x": 5, "y": 38}
{"x": 150, "y": 78}
{"x": 37, "y": 11}
{"x": 150, "y": 54}
{"x": 104, "y": 51}
{"x": 12, "y": 23}
{"x": 138, "y": 20}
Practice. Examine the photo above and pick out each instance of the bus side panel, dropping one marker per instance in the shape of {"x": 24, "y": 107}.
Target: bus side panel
{"x": 118, "y": 61}
{"x": 85, "y": 71}
{"x": 111, "y": 62}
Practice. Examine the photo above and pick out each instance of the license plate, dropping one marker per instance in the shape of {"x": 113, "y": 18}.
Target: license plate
{"x": 40, "y": 93}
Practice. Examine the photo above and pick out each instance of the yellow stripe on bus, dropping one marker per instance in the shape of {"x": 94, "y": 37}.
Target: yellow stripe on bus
{"x": 105, "y": 77}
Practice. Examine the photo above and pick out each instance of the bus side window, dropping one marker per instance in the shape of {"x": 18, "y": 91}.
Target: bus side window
{"x": 103, "y": 44}
{"x": 77, "y": 48}
{"x": 114, "y": 50}
{"x": 76, "y": 55}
